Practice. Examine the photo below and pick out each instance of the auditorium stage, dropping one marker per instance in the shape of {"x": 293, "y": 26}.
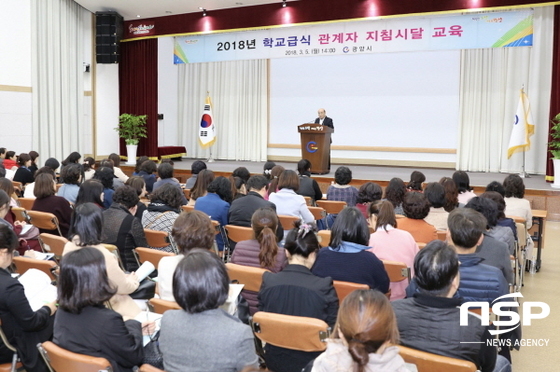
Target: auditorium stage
{"x": 375, "y": 173}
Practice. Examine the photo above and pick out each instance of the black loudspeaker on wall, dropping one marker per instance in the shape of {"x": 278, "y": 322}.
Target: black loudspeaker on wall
{"x": 109, "y": 32}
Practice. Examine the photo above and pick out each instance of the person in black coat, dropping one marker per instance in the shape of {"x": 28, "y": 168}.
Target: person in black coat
{"x": 242, "y": 209}
{"x": 323, "y": 119}
{"x": 84, "y": 325}
{"x": 296, "y": 291}
{"x": 23, "y": 173}
{"x": 23, "y": 327}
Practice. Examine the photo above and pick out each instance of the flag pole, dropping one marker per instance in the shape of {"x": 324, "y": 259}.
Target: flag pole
{"x": 211, "y": 159}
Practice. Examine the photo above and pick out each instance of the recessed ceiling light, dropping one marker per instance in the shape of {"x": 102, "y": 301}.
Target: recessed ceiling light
{"x": 138, "y": 16}
{"x": 201, "y": 8}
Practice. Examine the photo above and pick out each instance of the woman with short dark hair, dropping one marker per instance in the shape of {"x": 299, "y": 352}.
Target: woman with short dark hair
{"x": 297, "y": 291}
{"x": 462, "y": 181}
{"x": 395, "y": 192}
{"x": 72, "y": 176}
{"x": 417, "y": 178}
{"x": 106, "y": 176}
{"x": 518, "y": 206}
{"x": 200, "y": 287}
{"x": 34, "y": 161}
{"x": 435, "y": 193}
{"x": 23, "y": 173}
{"x": 346, "y": 258}
{"x": 91, "y": 191}
{"x": 147, "y": 171}
{"x": 89, "y": 168}
{"x": 83, "y": 324}
{"x": 86, "y": 230}
{"x": 368, "y": 193}
{"x": 341, "y": 190}
{"x": 390, "y": 243}
{"x": 287, "y": 201}
{"x": 416, "y": 207}
{"x": 163, "y": 210}
{"x": 216, "y": 204}
{"x": 23, "y": 327}
{"x": 307, "y": 185}
{"x": 47, "y": 201}
{"x": 191, "y": 230}
{"x": 451, "y": 194}
{"x": 200, "y": 188}
{"x": 116, "y": 167}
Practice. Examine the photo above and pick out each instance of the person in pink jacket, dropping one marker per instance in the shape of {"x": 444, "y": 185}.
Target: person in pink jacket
{"x": 391, "y": 244}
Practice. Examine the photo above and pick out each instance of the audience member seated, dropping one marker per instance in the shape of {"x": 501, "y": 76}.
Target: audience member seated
{"x": 346, "y": 258}
{"x": 47, "y": 201}
{"x": 201, "y": 185}
{"x": 23, "y": 174}
{"x": 395, "y": 193}
{"x": 29, "y": 239}
{"x": 416, "y": 207}
{"x": 147, "y": 170}
{"x": 364, "y": 337}
{"x": 307, "y": 185}
{"x": 267, "y": 169}
{"x": 417, "y": 178}
{"x": 89, "y": 168}
{"x": 190, "y": 230}
{"x": 296, "y": 291}
{"x": 435, "y": 307}
{"x": 91, "y": 191}
{"x": 8, "y": 187}
{"x": 238, "y": 187}
{"x": 196, "y": 167}
{"x": 341, "y": 190}
{"x": 435, "y": 193}
{"x": 30, "y": 187}
{"x": 106, "y": 176}
{"x": 497, "y": 187}
{"x": 462, "y": 181}
{"x": 86, "y": 230}
{"x": 368, "y": 193}
{"x": 83, "y": 324}
{"x": 287, "y": 201}
{"x": 139, "y": 163}
{"x": 517, "y": 206}
{"x": 165, "y": 172}
{"x": 391, "y": 244}
{"x": 121, "y": 228}
{"x": 116, "y": 159}
{"x": 275, "y": 173}
{"x": 242, "y": 210}
{"x": 73, "y": 158}
{"x": 200, "y": 287}
{"x": 23, "y": 327}
{"x": 108, "y": 163}
{"x": 263, "y": 251}
{"x": 216, "y": 204}
{"x": 163, "y": 210}
{"x": 489, "y": 209}
{"x": 242, "y": 173}
{"x": 3, "y": 155}
{"x": 72, "y": 176}
{"x": 451, "y": 194}
{"x": 34, "y": 155}
{"x": 138, "y": 184}
{"x": 502, "y": 219}
{"x": 478, "y": 281}
{"x": 10, "y": 161}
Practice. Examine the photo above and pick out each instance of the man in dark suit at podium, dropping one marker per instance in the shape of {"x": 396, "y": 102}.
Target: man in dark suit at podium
{"x": 323, "y": 119}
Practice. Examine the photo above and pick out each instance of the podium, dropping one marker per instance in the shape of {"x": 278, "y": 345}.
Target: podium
{"x": 316, "y": 146}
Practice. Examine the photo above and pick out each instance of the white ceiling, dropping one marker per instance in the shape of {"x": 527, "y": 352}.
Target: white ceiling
{"x": 131, "y": 9}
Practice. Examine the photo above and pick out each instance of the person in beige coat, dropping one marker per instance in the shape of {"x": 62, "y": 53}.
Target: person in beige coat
{"x": 85, "y": 231}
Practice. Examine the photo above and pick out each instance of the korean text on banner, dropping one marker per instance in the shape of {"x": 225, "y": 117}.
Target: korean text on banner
{"x": 523, "y": 127}
{"x": 207, "y": 130}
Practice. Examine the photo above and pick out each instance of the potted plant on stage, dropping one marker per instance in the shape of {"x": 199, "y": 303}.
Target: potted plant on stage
{"x": 132, "y": 128}
{"x": 554, "y": 146}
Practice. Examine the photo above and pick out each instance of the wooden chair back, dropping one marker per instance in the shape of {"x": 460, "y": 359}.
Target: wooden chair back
{"x": 521, "y": 234}
{"x": 280, "y": 330}
{"x": 397, "y": 271}
{"x": 156, "y": 239}
{"x": 26, "y": 203}
{"x": 317, "y": 212}
{"x": 331, "y": 206}
{"x": 20, "y": 213}
{"x": 518, "y": 219}
{"x": 149, "y": 368}
{"x": 161, "y": 306}
{"x": 239, "y": 233}
{"x": 343, "y": 289}
{"x": 325, "y": 237}
{"x": 428, "y": 362}
{"x": 151, "y": 255}
{"x": 44, "y": 220}
{"x": 187, "y": 208}
{"x": 287, "y": 222}
{"x": 250, "y": 276}
{"x": 25, "y": 263}
{"x": 53, "y": 243}
{"x": 421, "y": 245}
{"x": 442, "y": 235}
{"x": 187, "y": 193}
{"x": 308, "y": 200}
{"x": 62, "y": 360}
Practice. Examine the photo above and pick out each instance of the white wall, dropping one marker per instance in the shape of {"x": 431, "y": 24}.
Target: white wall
{"x": 167, "y": 93}
{"x": 15, "y": 75}
{"x": 107, "y": 108}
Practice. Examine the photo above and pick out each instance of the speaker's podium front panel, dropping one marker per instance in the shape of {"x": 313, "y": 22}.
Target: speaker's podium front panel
{"x": 316, "y": 146}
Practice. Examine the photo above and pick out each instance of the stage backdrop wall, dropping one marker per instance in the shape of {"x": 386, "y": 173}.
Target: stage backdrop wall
{"x": 388, "y": 101}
